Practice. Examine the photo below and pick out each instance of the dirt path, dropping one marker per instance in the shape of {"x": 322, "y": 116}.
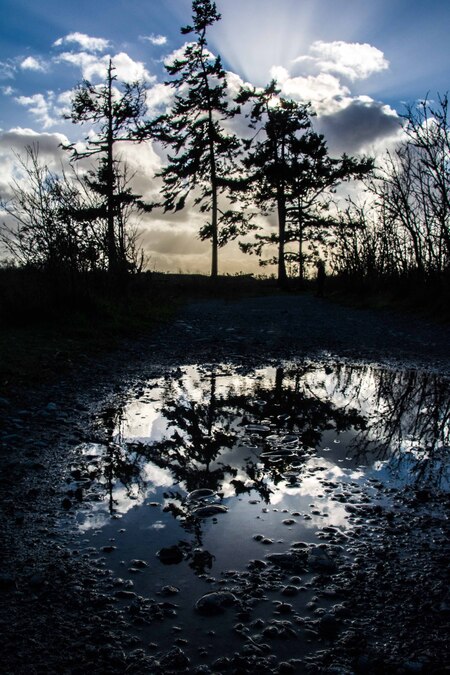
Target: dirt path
{"x": 56, "y": 614}
{"x": 291, "y": 326}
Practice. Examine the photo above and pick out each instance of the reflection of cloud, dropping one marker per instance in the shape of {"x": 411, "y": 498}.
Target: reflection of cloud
{"x": 98, "y": 515}
{"x": 156, "y": 526}
{"x": 159, "y": 477}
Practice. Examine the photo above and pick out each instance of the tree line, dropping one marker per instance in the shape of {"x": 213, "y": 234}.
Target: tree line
{"x": 280, "y": 167}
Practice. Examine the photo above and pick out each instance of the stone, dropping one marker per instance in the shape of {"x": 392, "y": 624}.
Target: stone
{"x": 257, "y": 429}
{"x": 172, "y": 555}
{"x": 6, "y": 582}
{"x": 320, "y": 561}
{"x": 169, "y": 590}
{"x": 175, "y": 659}
{"x": 109, "y": 548}
{"x": 139, "y": 564}
{"x": 290, "y": 560}
{"x": 201, "y": 493}
{"x": 215, "y": 602}
{"x": 125, "y": 595}
{"x": 208, "y": 511}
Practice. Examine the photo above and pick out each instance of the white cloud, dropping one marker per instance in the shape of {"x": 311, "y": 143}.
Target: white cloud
{"x": 30, "y": 63}
{"x": 17, "y": 138}
{"x": 7, "y": 70}
{"x": 324, "y": 91}
{"x": 63, "y": 105}
{"x": 90, "y": 44}
{"x": 92, "y": 66}
{"x": 179, "y": 54}
{"x": 159, "y": 98}
{"x": 40, "y": 107}
{"x": 7, "y": 91}
{"x": 129, "y": 70}
{"x": 14, "y": 142}
{"x": 158, "y": 40}
{"x": 142, "y": 163}
{"x": 352, "y": 124}
{"x": 352, "y": 60}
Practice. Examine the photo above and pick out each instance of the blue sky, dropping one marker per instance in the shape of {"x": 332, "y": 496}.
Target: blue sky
{"x": 253, "y": 36}
{"x": 358, "y": 61}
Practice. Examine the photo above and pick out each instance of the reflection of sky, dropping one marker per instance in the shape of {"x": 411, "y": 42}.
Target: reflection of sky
{"x": 345, "y": 387}
{"x": 98, "y": 515}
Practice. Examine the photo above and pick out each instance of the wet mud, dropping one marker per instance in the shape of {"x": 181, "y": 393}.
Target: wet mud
{"x": 212, "y": 500}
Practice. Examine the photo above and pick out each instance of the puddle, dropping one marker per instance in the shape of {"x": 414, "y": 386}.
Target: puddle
{"x": 216, "y": 479}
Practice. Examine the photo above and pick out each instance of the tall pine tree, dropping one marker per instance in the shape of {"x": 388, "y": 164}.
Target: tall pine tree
{"x": 291, "y": 173}
{"x": 203, "y": 152}
{"x": 115, "y": 114}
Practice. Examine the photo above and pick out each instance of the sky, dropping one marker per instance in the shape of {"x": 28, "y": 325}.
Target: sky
{"x": 357, "y": 61}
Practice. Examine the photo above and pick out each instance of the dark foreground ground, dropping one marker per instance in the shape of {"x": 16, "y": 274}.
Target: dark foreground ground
{"x": 57, "y": 615}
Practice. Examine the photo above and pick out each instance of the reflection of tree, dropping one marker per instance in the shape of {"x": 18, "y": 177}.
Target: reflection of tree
{"x": 117, "y": 463}
{"x": 409, "y": 425}
{"x": 293, "y": 406}
{"x": 198, "y": 433}
{"x": 210, "y": 441}
{"x": 216, "y": 439}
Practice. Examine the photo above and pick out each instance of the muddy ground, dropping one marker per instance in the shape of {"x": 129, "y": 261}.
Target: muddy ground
{"x": 58, "y": 613}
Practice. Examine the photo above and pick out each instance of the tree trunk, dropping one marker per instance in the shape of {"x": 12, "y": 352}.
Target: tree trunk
{"x": 110, "y": 233}
{"x": 301, "y": 262}
{"x": 214, "y": 227}
{"x": 281, "y": 209}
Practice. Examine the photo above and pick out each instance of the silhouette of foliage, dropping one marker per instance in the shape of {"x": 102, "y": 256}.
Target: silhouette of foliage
{"x": 116, "y": 112}
{"x": 291, "y": 172}
{"x": 51, "y": 228}
{"x": 204, "y": 151}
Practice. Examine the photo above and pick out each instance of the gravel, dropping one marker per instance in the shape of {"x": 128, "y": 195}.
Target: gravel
{"x": 56, "y": 614}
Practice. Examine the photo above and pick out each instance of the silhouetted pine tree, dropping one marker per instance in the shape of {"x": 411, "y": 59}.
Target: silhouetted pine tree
{"x": 290, "y": 172}
{"x": 267, "y": 160}
{"x": 204, "y": 152}
{"x": 115, "y": 115}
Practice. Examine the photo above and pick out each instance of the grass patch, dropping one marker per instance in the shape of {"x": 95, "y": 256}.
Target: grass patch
{"x": 429, "y": 301}
{"x": 48, "y": 327}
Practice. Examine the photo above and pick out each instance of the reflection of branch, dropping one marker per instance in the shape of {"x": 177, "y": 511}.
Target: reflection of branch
{"x": 386, "y": 411}
{"x": 412, "y": 408}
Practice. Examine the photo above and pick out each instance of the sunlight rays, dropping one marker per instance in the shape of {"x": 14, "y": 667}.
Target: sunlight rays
{"x": 256, "y": 35}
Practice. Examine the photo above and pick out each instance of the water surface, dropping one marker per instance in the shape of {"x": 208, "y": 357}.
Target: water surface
{"x": 229, "y": 466}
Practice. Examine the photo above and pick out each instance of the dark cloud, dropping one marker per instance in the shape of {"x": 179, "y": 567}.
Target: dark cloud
{"x": 19, "y": 139}
{"x": 358, "y": 126}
